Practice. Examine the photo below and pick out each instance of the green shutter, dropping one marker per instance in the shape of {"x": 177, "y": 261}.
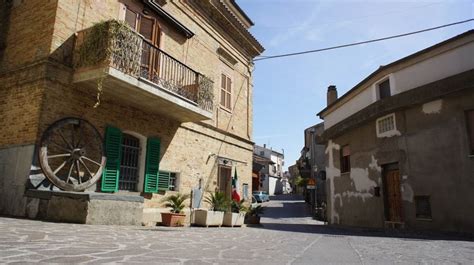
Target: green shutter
{"x": 113, "y": 151}
{"x": 164, "y": 180}
{"x": 152, "y": 165}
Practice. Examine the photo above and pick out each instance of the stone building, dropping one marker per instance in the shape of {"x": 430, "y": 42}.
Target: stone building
{"x": 400, "y": 144}
{"x": 165, "y": 85}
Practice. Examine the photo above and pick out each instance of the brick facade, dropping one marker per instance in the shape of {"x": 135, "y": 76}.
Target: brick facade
{"x": 37, "y": 90}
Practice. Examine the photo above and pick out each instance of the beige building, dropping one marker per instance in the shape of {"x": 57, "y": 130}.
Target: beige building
{"x": 166, "y": 86}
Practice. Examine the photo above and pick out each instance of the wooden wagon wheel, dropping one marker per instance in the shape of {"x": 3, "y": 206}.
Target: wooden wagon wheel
{"x": 72, "y": 154}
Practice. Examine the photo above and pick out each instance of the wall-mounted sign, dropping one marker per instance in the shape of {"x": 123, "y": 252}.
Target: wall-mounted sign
{"x": 310, "y": 187}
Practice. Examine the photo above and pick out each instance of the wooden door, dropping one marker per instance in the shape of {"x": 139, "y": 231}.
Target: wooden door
{"x": 393, "y": 196}
{"x": 148, "y": 28}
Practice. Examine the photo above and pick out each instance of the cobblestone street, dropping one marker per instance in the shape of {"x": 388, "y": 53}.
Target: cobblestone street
{"x": 288, "y": 236}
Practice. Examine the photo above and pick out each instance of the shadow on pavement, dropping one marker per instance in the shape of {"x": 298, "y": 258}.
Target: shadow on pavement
{"x": 289, "y": 213}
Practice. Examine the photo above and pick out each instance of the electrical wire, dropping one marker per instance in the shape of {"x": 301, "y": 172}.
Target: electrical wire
{"x": 260, "y": 58}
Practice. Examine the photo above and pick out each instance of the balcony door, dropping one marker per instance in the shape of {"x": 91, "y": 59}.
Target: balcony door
{"x": 148, "y": 27}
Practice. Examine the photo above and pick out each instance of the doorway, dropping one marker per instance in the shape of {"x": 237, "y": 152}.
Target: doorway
{"x": 392, "y": 193}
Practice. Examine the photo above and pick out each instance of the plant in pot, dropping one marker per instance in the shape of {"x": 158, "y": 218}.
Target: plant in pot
{"x": 253, "y": 216}
{"x": 214, "y": 216}
{"x": 175, "y": 217}
{"x": 236, "y": 215}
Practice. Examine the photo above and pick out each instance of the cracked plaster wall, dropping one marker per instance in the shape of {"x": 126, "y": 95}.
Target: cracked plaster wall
{"x": 432, "y": 156}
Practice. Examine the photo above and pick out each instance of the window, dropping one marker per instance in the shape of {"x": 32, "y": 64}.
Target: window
{"x": 345, "y": 159}
{"x": 226, "y": 92}
{"x": 128, "y": 178}
{"x": 262, "y": 153}
{"x": 470, "y": 129}
{"x": 384, "y": 89}
{"x": 167, "y": 181}
{"x": 386, "y": 126}
{"x": 423, "y": 207}
{"x": 173, "y": 182}
{"x": 122, "y": 167}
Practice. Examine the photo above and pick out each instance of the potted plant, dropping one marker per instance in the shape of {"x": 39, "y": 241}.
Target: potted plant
{"x": 175, "y": 216}
{"x": 236, "y": 216}
{"x": 253, "y": 216}
{"x": 215, "y": 215}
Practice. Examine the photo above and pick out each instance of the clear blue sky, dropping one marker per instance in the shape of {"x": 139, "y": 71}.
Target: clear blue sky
{"x": 288, "y": 92}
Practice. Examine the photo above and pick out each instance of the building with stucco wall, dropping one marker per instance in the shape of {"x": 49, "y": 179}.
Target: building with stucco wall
{"x": 166, "y": 86}
{"x": 400, "y": 144}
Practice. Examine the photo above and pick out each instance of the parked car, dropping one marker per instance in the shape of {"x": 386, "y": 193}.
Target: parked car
{"x": 261, "y": 196}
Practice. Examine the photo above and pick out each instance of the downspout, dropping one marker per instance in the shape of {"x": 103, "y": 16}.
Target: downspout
{"x": 249, "y": 115}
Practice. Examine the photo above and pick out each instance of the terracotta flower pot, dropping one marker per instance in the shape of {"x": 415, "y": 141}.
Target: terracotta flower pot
{"x": 172, "y": 219}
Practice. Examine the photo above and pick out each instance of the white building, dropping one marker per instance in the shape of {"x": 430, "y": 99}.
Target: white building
{"x": 271, "y": 177}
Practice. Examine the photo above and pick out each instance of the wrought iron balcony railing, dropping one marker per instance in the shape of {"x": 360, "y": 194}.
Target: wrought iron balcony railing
{"x": 114, "y": 44}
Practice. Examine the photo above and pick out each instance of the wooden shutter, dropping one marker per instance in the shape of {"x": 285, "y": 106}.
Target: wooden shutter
{"x": 152, "y": 165}
{"x": 164, "y": 180}
{"x": 113, "y": 151}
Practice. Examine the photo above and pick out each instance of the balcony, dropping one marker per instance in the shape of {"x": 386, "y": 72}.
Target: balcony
{"x": 117, "y": 60}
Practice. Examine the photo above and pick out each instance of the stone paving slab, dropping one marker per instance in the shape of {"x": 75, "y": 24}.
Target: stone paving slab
{"x": 288, "y": 236}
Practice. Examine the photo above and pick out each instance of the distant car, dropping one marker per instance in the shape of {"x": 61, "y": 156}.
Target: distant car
{"x": 261, "y": 196}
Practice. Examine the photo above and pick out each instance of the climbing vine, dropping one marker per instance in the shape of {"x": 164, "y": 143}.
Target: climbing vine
{"x": 113, "y": 43}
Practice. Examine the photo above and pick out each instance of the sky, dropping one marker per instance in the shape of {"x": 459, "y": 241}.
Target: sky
{"x": 289, "y": 92}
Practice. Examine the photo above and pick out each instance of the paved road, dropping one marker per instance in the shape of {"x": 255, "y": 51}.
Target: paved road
{"x": 288, "y": 236}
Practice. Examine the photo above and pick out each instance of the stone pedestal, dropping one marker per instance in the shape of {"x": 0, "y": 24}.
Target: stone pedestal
{"x": 85, "y": 207}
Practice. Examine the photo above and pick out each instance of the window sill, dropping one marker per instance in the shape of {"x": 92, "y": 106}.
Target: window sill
{"x": 345, "y": 173}
{"x": 470, "y": 156}
{"x": 225, "y": 109}
{"x": 424, "y": 219}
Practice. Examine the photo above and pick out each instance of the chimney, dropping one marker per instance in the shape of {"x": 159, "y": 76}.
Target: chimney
{"x": 264, "y": 146}
{"x": 332, "y": 94}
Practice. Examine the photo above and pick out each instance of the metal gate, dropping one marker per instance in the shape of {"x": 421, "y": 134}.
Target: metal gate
{"x": 128, "y": 179}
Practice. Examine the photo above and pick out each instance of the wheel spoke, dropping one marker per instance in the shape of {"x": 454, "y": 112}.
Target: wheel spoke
{"x": 81, "y": 136}
{"x": 70, "y": 172}
{"x": 59, "y": 155}
{"x": 61, "y": 166}
{"x": 79, "y": 179}
{"x": 90, "y": 160}
{"x": 87, "y": 168}
{"x": 73, "y": 135}
{"x": 64, "y": 139}
{"x": 60, "y": 147}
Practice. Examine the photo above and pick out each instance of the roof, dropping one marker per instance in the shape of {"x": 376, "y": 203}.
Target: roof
{"x": 241, "y": 12}
{"x": 388, "y": 66}
{"x": 261, "y": 159}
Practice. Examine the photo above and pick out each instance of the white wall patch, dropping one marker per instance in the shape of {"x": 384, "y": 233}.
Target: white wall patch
{"x": 362, "y": 182}
{"x": 433, "y": 107}
{"x": 331, "y": 173}
{"x": 407, "y": 192}
{"x": 373, "y": 165}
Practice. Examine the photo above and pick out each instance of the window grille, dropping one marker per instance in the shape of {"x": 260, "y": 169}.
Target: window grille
{"x": 386, "y": 124}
